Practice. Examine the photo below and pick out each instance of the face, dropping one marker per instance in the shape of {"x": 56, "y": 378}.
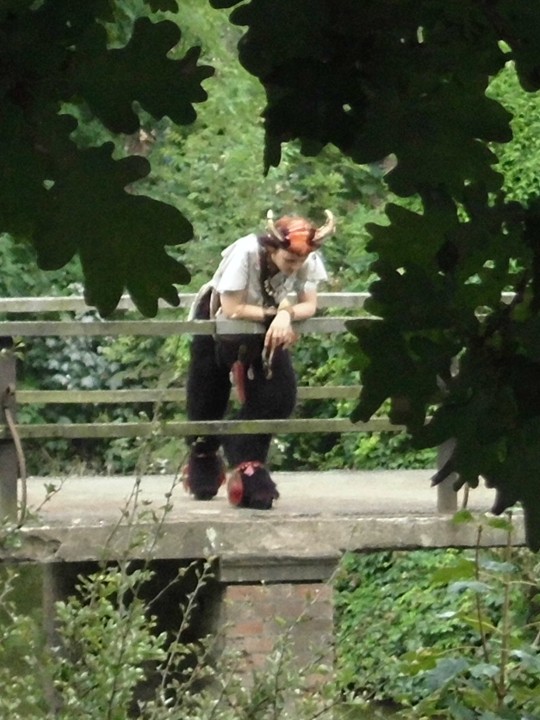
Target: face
{"x": 286, "y": 262}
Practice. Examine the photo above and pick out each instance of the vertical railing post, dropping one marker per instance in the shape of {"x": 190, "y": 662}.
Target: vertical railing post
{"x": 9, "y": 470}
{"x": 446, "y": 495}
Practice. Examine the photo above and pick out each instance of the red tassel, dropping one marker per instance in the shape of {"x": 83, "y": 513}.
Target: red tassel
{"x": 238, "y": 372}
{"x": 235, "y": 489}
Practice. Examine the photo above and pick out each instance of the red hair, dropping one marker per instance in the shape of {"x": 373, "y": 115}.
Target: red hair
{"x": 298, "y": 235}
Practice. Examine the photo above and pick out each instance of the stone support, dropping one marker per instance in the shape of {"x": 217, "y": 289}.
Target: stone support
{"x": 294, "y": 620}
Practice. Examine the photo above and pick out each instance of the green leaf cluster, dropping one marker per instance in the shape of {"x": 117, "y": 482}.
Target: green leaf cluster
{"x": 64, "y": 199}
{"x": 380, "y": 598}
{"x": 442, "y": 634}
{"x": 496, "y": 676}
{"x": 411, "y": 81}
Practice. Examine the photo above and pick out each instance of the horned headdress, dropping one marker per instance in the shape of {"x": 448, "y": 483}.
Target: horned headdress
{"x": 298, "y": 235}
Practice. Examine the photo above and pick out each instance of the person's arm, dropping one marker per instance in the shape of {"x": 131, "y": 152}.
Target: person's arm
{"x": 304, "y": 308}
{"x": 281, "y": 331}
{"x": 234, "y": 307}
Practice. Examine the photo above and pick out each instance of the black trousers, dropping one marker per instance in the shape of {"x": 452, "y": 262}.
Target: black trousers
{"x": 209, "y": 388}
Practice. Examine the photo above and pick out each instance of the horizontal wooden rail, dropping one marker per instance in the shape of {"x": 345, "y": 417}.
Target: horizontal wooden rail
{"x": 168, "y": 327}
{"x": 97, "y": 327}
{"x": 160, "y": 328}
{"x": 78, "y": 397}
{"x": 208, "y": 427}
{"x": 76, "y": 303}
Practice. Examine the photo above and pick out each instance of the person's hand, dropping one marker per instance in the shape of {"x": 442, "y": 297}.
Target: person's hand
{"x": 280, "y": 332}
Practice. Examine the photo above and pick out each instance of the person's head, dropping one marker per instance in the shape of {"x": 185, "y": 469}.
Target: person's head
{"x": 286, "y": 262}
{"x": 291, "y": 239}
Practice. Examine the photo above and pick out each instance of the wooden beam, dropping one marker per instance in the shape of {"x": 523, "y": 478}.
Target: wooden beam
{"x": 134, "y": 395}
{"x": 76, "y": 303}
{"x": 209, "y": 427}
{"x": 161, "y": 328}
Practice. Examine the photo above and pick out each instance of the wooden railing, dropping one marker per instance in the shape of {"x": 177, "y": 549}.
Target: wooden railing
{"x": 171, "y": 322}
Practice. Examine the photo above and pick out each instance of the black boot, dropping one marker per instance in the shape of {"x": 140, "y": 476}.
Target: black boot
{"x": 250, "y": 486}
{"x": 204, "y": 475}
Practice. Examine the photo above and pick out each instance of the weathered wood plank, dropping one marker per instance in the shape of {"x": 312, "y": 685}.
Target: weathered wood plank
{"x": 134, "y": 395}
{"x": 100, "y": 397}
{"x": 159, "y": 328}
{"x": 76, "y": 303}
{"x": 211, "y": 427}
{"x": 104, "y": 328}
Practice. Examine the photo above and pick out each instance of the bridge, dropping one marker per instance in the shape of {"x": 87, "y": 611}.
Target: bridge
{"x": 72, "y": 523}
{"x": 319, "y": 516}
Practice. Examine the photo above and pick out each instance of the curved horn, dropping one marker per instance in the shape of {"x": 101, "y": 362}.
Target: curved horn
{"x": 272, "y": 229}
{"x": 326, "y": 229}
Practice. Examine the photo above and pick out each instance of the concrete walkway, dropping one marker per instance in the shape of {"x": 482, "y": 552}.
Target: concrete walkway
{"x": 318, "y": 517}
{"x": 332, "y": 493}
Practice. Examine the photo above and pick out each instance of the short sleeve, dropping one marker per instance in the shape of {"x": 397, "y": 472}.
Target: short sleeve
{"x": 312, "y": 273}
{"x": 233, "y": 272}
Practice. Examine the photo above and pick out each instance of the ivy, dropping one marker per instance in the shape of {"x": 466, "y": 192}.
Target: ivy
{"x": 475, "y": 647}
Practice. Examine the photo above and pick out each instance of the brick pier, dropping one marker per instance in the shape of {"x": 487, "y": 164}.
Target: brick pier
{"x": 296, "y": 617}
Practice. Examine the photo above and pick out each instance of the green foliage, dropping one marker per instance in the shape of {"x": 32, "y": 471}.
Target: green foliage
{"x": 495, "y": 677}
{"x": 445, "y": 633}
{"x": 378, "y": 451}
{"x": 64, "y": 199}
{"x": 105, "y": 638}
{"x": 21, "y": 648}
{"x": 107, "y": 644}
{"x": 16, "y": 280}
{"x": 521, "y": 181}
{"x": 78, "y": 363}
{"x": 380, "y": 598}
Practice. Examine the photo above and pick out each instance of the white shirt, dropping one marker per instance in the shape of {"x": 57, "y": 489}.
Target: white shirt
{"x": 240, "y": 269}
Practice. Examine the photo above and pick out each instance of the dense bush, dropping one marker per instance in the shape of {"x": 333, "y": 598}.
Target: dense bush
{"x": 445, "y": 633}
{"x": 387, "y": 605}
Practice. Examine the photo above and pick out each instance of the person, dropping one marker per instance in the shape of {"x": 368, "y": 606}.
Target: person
{"x": 254, "y": 281}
